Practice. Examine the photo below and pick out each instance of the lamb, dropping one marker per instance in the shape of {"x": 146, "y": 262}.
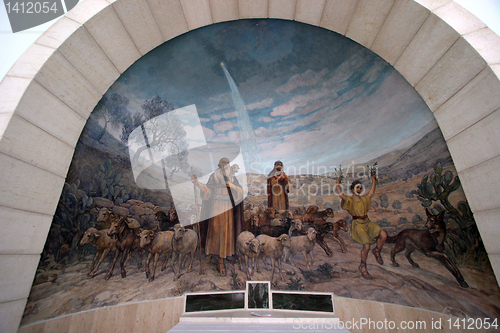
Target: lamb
{"x": 102, "y": 242}
{"x": 273, "y": 248}
{"x": 155, "y": 243}
{"x": 247, "y": 246}
{"x": 184, "y": 241}
{"x": 296, "y": 225}
{"x": 303, "y": 244}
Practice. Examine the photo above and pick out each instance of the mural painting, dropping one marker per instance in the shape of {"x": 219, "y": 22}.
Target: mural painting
{"x": 262, "y": 150}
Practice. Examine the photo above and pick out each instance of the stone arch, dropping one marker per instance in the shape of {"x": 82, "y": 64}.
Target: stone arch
{"x": 448, "y": 55}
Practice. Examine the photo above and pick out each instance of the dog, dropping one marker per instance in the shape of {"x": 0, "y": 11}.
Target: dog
{"x": 428, "y": 241}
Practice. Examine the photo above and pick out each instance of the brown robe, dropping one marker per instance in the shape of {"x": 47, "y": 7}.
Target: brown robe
{"x": 223, "y": 223}
{"x": 277, "y": 193}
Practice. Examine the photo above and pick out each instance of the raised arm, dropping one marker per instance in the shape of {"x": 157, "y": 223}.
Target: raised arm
{"x": 372, "y": 190}
{"x": 339, "y": 190}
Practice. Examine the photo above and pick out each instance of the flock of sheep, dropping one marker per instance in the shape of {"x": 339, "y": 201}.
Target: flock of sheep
{"x": 264, "y": 238}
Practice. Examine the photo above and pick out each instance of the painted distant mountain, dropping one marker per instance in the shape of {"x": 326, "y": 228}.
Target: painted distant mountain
{"x": 420, "y": 157}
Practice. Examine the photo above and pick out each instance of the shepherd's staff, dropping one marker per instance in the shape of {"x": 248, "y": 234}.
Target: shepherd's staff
{"x": 198, "y": 225}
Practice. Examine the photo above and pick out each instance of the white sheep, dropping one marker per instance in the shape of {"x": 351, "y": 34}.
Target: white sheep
{"x": 102, "y": 242}
{"x": 273, "y": 247}
{"x": 155, "y": 243}
{"x": 303, "y": 244}
{"x": 247, "y": 246}
{"x": 184, "y": 241}
{"x": 296, "y": 225}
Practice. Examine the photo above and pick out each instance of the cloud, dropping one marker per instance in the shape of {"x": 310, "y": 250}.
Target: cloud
{"x": 284, "y": 109}
{"x": 266, "y": 119}
{"x": 308, "y": 78}
{"x": 260, "y": 105}
{"x": 220, "y": 138}
{"x": 223, "y": 126}
{"x": 299, "y": 101}
{"x": 234, "y": 136}
{"x": 230, "y": 115}
{"x": 209, "y": 134}
{"x": 195, "y": 135}
{"x": 216, "y": 117}
{"x": 260, "y": 130}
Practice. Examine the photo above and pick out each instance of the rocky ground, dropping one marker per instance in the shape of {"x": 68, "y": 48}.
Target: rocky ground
{"x": 431, "y": 286}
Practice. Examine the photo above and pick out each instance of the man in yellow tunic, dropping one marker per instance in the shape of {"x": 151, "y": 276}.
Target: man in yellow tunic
{"x": 222, "y": 207}
{"x": 363, "y": 230}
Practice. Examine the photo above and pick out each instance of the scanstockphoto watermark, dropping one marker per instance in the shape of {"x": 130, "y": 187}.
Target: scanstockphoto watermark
{"x": 368, "y": 324}
{"x": 362, "y": 324}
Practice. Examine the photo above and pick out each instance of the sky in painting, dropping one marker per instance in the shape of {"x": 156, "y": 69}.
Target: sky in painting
{"x": 314, "y": 97}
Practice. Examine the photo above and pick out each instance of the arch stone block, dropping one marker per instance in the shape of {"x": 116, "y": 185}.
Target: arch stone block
{"x": 83, "y": 52}
{"x": 197, "y": 13}
{"x": 392, "y": 38}
{"x": 337, "y": 15}
{"x": 457, "y": 67}
{"x": 309, "y": 11}
{"x": 253, "y": 8}
{"x": 368, "y": 18}
{"x": 430, "y": 43}
{"x": 139, "y": 22}
{"x": 480, "y": 94}
{"x": 169, "y": 17}
{"x": 223, "y": 10}
{"x": 64, "y": 81}
{"x": 282, "y": 9}
{"x": 113, "y": 38}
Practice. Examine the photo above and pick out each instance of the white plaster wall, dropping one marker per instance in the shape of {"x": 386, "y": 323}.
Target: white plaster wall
{"x": 446, "y": 53}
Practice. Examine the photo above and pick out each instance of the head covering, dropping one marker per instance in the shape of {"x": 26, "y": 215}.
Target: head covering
{"x": 275, "y": 172}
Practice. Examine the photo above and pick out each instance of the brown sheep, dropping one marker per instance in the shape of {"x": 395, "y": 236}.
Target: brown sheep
{"x": 102, "y": 242}
{"x": 127, "y": 240}
{"x": 155, "y": 243}
{"x": 184, "y": 241}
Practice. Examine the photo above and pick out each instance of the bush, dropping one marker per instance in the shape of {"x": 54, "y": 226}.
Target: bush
{"x": 384, "y": 223}
{"x": 397, "y": 204}
{"x": 403, "y": 220}
{"x": 417, "y": 218}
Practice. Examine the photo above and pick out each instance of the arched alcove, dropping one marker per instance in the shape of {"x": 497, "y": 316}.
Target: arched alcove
{"x": 448, "y": 55}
